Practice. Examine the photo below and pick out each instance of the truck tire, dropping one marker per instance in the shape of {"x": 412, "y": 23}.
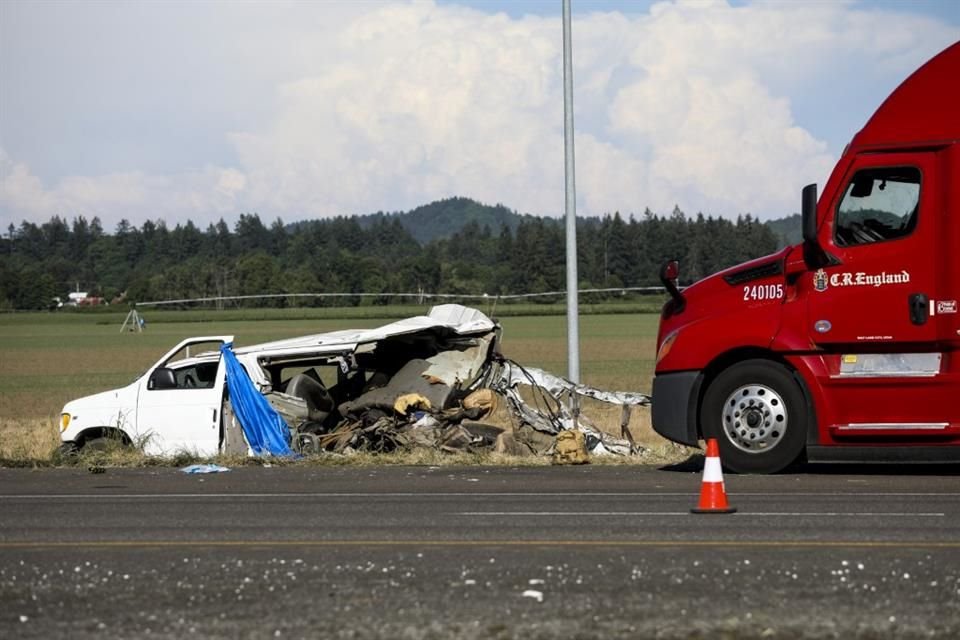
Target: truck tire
{"x": 756, "y": 411}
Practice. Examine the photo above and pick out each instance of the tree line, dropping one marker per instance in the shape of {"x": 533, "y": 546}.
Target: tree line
{"x": 339, "y": 255}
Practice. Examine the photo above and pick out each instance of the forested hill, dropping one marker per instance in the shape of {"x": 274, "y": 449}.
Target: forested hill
{"x": 469, "y": 248}
{"x": 787, "y": 230}
{"x": 443, "y": 218}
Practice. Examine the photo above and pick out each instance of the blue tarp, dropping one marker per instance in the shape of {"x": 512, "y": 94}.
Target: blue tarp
{"x": 265, "y": 430}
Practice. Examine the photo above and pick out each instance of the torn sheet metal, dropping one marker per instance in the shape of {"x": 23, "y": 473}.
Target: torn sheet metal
{"x": 459, "y": 368}
{"x": 444, "y": 318}
{"x": 558, "y": 386}
{"x": 553, "y": 415}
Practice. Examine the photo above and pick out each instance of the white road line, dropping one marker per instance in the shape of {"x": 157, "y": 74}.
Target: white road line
{"x": 831, "y": 514}
{"x": 495, "y": 494}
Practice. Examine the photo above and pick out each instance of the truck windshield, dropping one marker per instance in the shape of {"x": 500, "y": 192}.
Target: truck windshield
{"x": 879, "y": 204}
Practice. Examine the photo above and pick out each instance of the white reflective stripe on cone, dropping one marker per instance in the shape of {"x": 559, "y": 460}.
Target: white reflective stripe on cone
{"x": 712, "y": 472}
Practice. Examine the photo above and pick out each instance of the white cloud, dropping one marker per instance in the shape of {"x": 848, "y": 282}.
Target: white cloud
{"x": 22, "y": 191}
{"x": 391, "y": 106}
{"x": 210, "y": 192}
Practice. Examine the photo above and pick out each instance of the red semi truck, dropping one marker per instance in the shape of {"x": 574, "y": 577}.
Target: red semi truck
{"x": 845, "y": 347}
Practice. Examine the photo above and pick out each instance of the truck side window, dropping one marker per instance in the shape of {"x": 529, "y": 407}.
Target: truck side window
{"x": 879, "y": 204}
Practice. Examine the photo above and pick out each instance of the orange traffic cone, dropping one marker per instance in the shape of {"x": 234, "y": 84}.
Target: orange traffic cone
{"x": 713, "y": 496}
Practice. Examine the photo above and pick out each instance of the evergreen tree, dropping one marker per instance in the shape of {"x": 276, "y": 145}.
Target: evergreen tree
{"x": 372, "y": 254}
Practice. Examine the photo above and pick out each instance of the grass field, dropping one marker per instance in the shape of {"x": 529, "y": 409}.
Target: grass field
{"x": 47, "y": 359}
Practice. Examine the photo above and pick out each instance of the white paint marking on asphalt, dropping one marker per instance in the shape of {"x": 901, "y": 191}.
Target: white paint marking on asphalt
{"x": 441, "y": 494}
{"x": 830, "y": 514}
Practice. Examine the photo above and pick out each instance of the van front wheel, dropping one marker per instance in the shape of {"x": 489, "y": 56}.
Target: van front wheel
{"x": 756, "y": 411}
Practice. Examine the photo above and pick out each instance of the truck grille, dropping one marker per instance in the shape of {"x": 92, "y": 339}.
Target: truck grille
{"x": 757, "y": 272}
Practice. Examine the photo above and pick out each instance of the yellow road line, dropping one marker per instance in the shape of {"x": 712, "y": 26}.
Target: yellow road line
{"x": 733, "y": 544}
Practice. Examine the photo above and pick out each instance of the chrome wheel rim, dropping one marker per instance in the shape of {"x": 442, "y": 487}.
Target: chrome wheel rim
{"x": 754, "y": 418}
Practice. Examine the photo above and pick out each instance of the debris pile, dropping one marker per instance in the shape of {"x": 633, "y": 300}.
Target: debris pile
{"x": 512, "y": 410}
{"x": 436, "y": 381}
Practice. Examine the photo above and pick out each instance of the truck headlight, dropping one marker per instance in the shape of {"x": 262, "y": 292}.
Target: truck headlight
{"x": 64, "y": 421}
{"x": 667, "y": 345}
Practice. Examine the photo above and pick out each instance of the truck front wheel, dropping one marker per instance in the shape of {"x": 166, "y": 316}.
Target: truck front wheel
{"x": 756, "y": 411}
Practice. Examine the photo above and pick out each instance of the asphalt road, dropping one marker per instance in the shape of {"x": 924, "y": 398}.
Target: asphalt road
{"x": 388, "y": 552}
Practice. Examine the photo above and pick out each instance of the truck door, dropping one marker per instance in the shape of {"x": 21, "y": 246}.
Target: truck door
{"x": 883, "y": 235}
{"x": 872, "y": 311}
{"x": 179, "y": 401}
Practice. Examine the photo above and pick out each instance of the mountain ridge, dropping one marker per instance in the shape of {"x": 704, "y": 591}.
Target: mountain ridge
{"x": 445, "y": 217}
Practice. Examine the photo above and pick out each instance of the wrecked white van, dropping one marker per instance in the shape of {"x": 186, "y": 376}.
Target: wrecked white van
{"x": 333, "y": 389}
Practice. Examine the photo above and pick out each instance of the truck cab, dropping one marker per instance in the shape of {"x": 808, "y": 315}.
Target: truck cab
{"x": 845, "y": 347}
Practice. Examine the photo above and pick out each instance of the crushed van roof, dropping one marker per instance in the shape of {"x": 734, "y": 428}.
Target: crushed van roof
{"x": 452, "y": 318}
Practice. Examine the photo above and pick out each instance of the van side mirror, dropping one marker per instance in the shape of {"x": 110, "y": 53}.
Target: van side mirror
{"x": 162, "y": 378}
{"x": 808, "y": 210}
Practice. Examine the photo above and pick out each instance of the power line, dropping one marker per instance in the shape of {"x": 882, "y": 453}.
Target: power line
{"x": 430, "y": 296}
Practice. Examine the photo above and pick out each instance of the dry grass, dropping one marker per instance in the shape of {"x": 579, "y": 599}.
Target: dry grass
{"x": 35, "y": 443}
{"x": 28, "y": 441}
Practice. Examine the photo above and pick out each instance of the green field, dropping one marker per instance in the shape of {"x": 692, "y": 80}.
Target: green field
{"x": 47, "y": 359}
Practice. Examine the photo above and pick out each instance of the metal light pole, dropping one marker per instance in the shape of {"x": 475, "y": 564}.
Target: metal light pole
{"x": 573, "y": 319}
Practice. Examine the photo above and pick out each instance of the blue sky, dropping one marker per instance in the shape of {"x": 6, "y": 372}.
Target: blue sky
{"x": 200, "y": 110}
